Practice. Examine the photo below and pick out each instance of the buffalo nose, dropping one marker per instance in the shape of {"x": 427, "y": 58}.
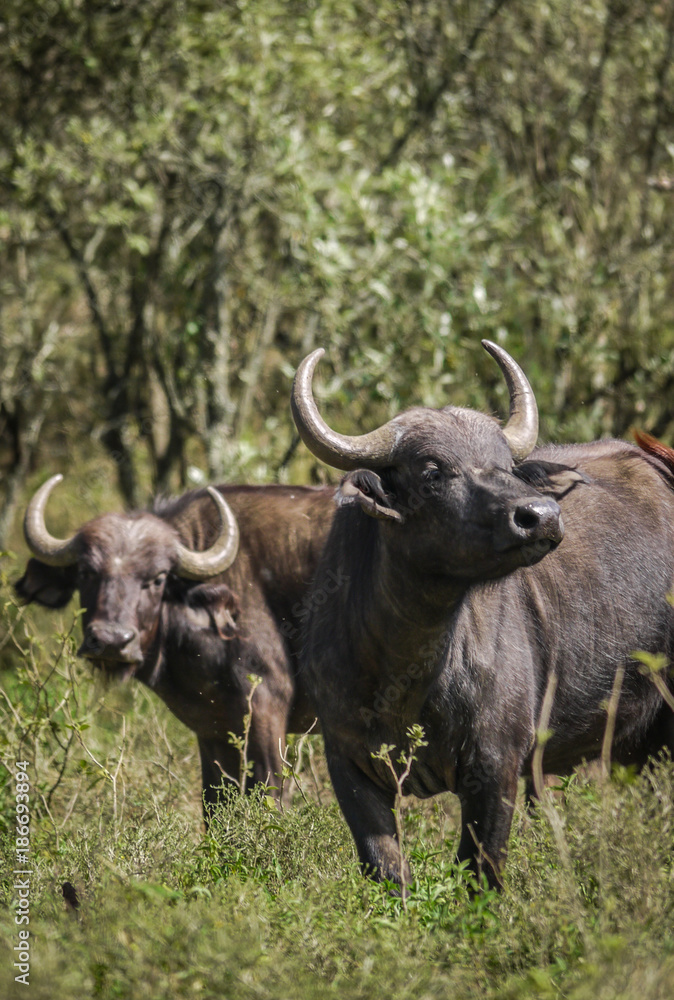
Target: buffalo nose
{"x": 538, "y": 519}
{"x": 105, "y": 636}
{"x": 125, "y": 636}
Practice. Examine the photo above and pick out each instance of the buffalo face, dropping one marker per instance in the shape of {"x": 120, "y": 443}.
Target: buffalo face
{"x": 121, "y": 576}
{"x": 120, "y": 564}
{"x": 450, "y": 502}
{"x": 443, "y": 482}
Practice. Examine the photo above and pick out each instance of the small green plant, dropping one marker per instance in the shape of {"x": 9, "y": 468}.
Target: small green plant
{"x": 655, "y": 666}
{"x": 292, "y": 759}
{"x": 611, "y": 713}
{"x": 241, "y": 742}
{"x": 415, "y": 735}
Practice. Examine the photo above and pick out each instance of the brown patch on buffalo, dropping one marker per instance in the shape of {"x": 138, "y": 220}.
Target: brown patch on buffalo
{"x": 652, "y": 446}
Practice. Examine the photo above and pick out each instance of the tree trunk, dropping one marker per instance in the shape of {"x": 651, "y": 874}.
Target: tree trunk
{"x": 218, "y": 443}
{"x": 15, "y": 480}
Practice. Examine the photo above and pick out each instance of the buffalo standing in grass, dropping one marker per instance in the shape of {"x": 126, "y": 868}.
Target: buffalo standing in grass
{"x": 461, "y": 603}
{"x": 191, "y": 599}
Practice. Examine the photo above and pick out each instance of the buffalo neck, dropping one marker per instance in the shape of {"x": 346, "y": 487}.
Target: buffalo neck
{"x": 412, "y": 609}
{"x": 398, "y": 616}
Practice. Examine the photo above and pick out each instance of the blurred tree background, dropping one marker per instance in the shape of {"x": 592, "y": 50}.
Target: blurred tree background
{"x": 194, "y": 194}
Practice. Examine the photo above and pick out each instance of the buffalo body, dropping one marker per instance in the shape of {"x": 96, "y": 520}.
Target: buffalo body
{"x": 195, "y": 642}
{"x": 463, "y": 600}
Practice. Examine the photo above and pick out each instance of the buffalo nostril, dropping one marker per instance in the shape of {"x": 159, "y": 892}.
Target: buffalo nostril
{"x": 526, "y": 518}
{"x": 539, "y": 519}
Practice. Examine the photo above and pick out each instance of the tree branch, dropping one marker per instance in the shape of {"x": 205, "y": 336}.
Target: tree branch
{"x": 660, "y": 111}
{"x": 426, "y": 105}
{"x": 78, "y": 260}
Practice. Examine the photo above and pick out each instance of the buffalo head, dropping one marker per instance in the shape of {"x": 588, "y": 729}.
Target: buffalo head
{"x": 120, "y": 564}
{"x": 443, "y": 483}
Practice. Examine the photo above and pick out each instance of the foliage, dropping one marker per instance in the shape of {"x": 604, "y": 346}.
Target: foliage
{"x": 196, "y": 194}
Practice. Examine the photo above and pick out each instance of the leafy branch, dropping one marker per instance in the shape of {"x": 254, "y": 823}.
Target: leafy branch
{"x": 415, "y": 735}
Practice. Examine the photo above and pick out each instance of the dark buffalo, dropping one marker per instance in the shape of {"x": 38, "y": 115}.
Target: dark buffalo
{"x": 191, "y": 599}
{"x": 461, "y": 603}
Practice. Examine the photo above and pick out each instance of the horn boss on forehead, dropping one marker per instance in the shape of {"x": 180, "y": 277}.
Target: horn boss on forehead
{"x": 189, "y": 564}
{"x": 373, "y": 450}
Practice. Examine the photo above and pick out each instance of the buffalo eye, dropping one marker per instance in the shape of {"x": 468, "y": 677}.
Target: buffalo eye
{"x": 431, "y": 473}
{"x": 157, "y": 581}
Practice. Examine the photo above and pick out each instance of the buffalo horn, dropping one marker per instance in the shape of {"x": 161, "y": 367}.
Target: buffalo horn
{"x": 199, "y": 565}
{"x": 374, "y": 449}
{"x": 521, "y": 431}
{"x": 341, "y": 451}
{"x": 46, "y": 548}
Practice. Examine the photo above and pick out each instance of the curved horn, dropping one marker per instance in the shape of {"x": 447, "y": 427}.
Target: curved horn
{"x": 338, "y": 450}
{"x": 46, "y": 548}
{"x": 521, "y": 431}
{"x": 199, "y": 565}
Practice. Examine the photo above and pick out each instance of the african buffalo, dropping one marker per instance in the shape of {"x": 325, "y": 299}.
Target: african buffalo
{"x": 191, "y": 599}
{"x": 461, "y": 603}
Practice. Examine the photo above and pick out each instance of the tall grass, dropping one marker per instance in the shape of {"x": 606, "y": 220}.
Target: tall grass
{"x": 271, "y": 903}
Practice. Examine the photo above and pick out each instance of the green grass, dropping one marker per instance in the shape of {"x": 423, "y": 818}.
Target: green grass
{"x": 271, "y": 904}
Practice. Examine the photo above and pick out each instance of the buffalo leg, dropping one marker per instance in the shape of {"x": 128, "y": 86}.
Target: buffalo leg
{"x": 219, "y": 765}
{"x": 487, "y": 803}
{"x": 264, "y": 752}
{"x": 267, "y": 740}
{"x": 368, "y": 810}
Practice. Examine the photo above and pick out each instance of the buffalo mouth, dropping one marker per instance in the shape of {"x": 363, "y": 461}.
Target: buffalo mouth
{"x": 114, "y": 670}
{"x": 527, "y": 552}
{"x": 113, "y": 662}
{"x": 534, "y": 551}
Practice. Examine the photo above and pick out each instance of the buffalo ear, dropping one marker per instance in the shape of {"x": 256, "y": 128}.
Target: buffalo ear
{"x": 364, "y": 488}
{"x": 207, "y": 605}
{"x": 51, "y": 586}
{"x": 549, "y": 478}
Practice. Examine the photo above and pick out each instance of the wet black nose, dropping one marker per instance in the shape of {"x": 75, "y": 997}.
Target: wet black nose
{"x": 106, "y": 638}
{"x": 538, "y": 519}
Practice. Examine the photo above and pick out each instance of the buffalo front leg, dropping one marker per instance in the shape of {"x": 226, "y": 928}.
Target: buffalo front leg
{"x": 369, "y": 811}
{"x": 487, "y": 803}
{"x": 265, "y": 745}
{"x": 223, "y": 764}
{"x": 219, "y": 768}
